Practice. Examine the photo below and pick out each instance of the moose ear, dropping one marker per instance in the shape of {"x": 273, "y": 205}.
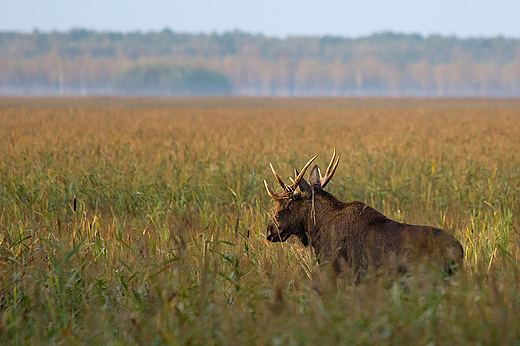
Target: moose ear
{"x": 314, "y": 176}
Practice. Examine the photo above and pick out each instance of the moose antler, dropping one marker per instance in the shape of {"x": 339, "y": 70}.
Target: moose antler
{"x": 330, "y": 170}
{"x": 288, "y": 189}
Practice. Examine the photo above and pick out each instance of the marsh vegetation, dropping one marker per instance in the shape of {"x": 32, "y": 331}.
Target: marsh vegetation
{"x": 143, "y": 221}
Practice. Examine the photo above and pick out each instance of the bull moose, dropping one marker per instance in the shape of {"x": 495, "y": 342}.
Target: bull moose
{"x": 354, "y": 235}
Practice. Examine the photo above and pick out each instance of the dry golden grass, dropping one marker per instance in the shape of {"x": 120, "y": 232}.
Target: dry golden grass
{"x": 167, "y": 243}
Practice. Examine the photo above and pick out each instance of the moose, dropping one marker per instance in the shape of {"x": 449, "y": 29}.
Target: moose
{"x": 354, "y": 235}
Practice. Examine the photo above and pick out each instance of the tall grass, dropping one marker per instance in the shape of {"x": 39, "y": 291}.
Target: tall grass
{"x": 142, "y": 221}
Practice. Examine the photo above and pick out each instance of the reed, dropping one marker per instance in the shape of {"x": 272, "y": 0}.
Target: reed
{"x": 142, "y": 221}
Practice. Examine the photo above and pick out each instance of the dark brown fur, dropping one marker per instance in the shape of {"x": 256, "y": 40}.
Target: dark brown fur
{"x": 356, "y": 236}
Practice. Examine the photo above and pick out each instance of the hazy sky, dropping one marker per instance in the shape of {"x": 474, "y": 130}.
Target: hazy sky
{"x": 351, "y": 18}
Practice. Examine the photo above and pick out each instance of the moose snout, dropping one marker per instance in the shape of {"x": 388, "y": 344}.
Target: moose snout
{"x": 273, "y": 234}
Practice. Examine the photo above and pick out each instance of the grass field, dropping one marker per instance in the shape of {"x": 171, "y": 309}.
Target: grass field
{"x": 142, "y": 221}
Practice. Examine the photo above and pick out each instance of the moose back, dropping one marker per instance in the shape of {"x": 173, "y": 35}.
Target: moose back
{"x": 355, "y": 235}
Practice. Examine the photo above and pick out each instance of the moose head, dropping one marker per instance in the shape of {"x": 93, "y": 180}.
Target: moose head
{"x": 296, "y": 201}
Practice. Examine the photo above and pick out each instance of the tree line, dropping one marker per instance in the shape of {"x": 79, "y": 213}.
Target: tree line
{"x": 171, "y": 63}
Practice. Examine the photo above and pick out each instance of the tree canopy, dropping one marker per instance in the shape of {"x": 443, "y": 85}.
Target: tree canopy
{"x": 82, "y": 62}
{"x": 160, "y": 79}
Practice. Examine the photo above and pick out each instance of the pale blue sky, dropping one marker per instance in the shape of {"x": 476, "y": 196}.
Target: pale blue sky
{"x": 464, "y": 18}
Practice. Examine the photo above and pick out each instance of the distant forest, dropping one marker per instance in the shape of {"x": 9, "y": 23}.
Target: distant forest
{"x": 82, "y": 62}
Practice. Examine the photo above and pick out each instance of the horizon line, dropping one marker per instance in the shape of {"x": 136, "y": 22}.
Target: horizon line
{"x": 257, "y": 34}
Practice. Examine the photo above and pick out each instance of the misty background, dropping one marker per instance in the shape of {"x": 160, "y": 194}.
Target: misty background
{"x": 411, "y": 48}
